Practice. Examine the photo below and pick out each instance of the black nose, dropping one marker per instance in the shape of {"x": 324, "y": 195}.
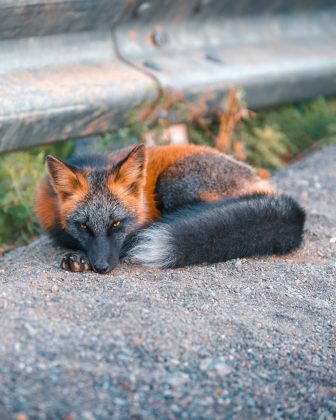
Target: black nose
{"x": 101, "y": 268}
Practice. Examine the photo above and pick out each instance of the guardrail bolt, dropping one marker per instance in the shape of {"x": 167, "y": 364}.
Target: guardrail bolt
{"x": 213, "y": 57}
{"x": 159, "y": 37}
{"x": 142, "y": 8}
{"x": 151, "y": 65}
{"x": 197, "y": 9}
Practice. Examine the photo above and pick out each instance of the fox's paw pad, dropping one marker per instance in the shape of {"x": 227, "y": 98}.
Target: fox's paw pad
{"x": 75, "y": 262}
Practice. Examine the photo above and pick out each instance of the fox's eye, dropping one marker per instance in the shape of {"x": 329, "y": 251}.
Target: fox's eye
{"x": 83, "y": 226}
{"x": 115, "y": 223}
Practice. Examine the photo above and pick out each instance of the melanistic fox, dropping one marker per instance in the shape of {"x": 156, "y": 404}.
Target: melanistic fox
{"x": 165, "y": 206}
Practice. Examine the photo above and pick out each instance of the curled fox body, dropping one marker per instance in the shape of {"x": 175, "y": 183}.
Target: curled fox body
{"x": 166, "y": 206}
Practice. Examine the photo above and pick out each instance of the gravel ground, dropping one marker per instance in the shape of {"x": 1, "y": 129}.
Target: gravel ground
{"x": 244, "y": 339}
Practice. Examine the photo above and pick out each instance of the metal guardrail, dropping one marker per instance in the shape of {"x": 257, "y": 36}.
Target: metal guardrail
{"x": 72, "y": 68}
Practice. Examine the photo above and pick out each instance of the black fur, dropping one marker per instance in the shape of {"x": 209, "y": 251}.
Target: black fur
{"x": 63, "y": 238}
{"x": 234, "y": 228}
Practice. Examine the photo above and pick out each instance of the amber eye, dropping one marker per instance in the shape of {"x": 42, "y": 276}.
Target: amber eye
{"x": 115, "y": 223}
{"x": 83, "y": 226}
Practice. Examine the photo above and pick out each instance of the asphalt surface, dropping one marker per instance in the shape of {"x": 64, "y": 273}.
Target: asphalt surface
{"x": 244, "y": 339}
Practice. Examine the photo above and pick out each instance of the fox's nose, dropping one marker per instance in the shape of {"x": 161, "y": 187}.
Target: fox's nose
{"x": 101, "y": 268}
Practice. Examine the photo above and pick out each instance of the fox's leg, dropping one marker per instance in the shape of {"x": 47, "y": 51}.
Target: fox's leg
{"x": 75, "y": 262}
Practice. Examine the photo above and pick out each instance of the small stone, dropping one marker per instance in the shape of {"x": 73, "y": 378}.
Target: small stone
{"x": 119, "y": 401}
{"x": 175, "y": 408}
{"x": 222, "y": 369}
{"x": 137, "y": 342}
{"x": 332, "y": 240}
{"x": 205, "y": 363}
{"x": 87, "y": 415}
{"x": 31, "y": 330}
{"x": 21, "y": 416}
{"x": 238, "y": 264}
{"x": 174, "y": 362}
{"x": 215, "y": 367}
{"x": 178, "y": 379}
{"x": 55, "y": 288}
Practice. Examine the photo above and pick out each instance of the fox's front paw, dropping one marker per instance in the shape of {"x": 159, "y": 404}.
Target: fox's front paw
{"x": 75, "y": 262}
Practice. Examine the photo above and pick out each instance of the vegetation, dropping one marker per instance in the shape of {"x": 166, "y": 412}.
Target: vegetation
{"x": 20, "y": 173}
{"x": 277, "y": 136}
{"x": 269, "y": 139}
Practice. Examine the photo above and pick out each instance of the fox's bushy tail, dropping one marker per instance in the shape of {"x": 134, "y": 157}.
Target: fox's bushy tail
{"x": 231, "y": 228}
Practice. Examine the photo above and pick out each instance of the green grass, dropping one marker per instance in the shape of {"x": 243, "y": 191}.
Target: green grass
{"x": 20, "y": 173}
{"x": 277, "y": 136}
{"x": 270, "y": 140}
{"x": 273, "y": 138}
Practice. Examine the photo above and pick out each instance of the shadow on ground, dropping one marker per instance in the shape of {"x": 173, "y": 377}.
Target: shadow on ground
{"x": 247, "y": 338}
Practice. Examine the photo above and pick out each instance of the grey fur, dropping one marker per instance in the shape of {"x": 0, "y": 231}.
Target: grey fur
{"x": 182, "y": 182}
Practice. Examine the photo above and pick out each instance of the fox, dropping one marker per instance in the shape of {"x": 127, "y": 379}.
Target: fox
{"x": 164, "y": 206}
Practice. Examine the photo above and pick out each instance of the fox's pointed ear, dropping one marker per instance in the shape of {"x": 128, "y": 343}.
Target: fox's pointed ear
{"x": 66, "y": 179}
{"x": 129, "y": 173}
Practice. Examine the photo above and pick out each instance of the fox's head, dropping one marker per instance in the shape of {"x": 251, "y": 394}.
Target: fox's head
{"x": 100, "y": 207}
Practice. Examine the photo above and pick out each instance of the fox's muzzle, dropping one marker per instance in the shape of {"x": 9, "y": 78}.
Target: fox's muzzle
{"x": 103, "y": 254}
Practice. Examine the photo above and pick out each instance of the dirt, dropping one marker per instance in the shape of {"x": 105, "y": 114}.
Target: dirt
{"x": 243, "y": 339}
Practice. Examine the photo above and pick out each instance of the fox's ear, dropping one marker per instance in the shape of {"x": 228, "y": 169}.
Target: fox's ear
{"x": 66, "y": 179}
{"x": 129, "y": 172}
